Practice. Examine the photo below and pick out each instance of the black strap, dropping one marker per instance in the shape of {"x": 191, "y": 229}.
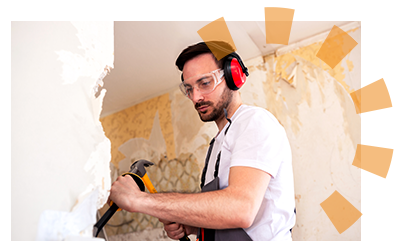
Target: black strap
{"x": 217, "y": 165}
{"x": 203, "y": 175}
{"x": 229, "y": 120}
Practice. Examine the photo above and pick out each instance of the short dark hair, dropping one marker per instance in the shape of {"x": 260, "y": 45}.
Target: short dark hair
{"x": 202, "y": 48}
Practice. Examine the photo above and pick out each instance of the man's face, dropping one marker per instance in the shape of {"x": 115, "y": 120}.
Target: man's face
{"x": 210, "y": 106}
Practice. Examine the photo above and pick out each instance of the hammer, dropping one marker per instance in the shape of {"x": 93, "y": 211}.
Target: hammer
{"x": 139, "y": 175}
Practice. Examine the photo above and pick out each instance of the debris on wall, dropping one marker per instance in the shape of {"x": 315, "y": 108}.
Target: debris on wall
{"x": 284, "y": 63}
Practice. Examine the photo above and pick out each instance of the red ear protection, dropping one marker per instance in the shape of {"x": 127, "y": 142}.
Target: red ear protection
{"x": 234, "y": 71}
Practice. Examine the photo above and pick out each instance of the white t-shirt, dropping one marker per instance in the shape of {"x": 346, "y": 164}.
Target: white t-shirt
{"x": 256, "y": 139}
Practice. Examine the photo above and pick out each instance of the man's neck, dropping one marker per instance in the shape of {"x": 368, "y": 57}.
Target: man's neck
{"x": 231, "y": 109}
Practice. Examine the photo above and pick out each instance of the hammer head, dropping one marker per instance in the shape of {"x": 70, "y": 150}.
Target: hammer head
{"x": 138, "y": 167}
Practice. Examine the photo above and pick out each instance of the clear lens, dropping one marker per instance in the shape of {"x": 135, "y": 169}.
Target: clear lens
{"x": 182, "y": 88}
{"x": 205, "y": 84}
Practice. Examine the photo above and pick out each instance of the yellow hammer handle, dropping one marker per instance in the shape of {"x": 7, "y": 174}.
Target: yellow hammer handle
{"x": 148, "y": 184}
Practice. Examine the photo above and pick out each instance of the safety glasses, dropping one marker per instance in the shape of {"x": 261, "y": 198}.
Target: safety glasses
{"x": 204, "y": 84}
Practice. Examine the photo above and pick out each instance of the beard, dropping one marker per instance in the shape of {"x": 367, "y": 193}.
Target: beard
{"x": 217, "y": 111}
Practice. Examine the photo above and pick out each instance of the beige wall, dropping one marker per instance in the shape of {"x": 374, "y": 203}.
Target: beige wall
{"x": 310, "y": 100}
{"x": 60, "y": 155}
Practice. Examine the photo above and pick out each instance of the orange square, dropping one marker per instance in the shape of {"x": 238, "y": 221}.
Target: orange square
{"x": 375, "y": 160}
{"x": 278, "y": 14}
{"x": 374, "y": 96}
{"x": 336, "y": 46}
{"x": 278, "y": 32}
{"x": 341, "y": 212}
{"x": 217, "y": 31}
{"x": 278, "y": 24}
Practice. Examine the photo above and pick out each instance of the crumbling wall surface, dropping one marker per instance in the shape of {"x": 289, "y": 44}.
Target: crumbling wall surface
{"x": 60, "y": 155}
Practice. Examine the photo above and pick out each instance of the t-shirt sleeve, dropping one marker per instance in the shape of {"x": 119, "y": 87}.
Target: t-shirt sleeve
{"x": 258, "y": 142}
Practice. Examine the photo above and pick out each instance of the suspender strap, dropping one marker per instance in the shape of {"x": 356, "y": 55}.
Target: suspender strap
{"x": 229, "y": 120}
{"x": 217, "y": 165}
{"x": 203, "y": 175}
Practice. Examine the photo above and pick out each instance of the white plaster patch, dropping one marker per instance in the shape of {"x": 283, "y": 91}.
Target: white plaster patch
{"x": 59, "y": 225}
{"x": 98, "y": 55}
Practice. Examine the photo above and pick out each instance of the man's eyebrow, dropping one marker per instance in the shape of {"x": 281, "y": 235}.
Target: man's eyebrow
{"x": 202, "y": 78}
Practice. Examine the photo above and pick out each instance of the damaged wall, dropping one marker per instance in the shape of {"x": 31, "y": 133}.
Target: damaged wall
{"x": 309, "y": 99}
{"x": 60, "y": 156}
{"x": 312, "y": 102}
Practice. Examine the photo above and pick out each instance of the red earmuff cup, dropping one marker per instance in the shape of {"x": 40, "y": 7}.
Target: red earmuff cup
{"x": 238, "y": 76}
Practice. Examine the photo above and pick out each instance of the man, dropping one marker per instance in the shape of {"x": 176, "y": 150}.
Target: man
{"x": 247, "y": 184}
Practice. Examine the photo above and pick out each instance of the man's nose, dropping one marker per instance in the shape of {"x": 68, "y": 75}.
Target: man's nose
{"x": 196, "y": 95}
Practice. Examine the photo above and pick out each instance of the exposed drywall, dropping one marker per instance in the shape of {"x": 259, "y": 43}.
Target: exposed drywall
{"x": 310, "y": 100}
{"x": 60, "y": 154}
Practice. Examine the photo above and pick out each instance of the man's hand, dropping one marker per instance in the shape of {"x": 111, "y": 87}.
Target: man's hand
{"x": 176, "y": 231}
{"x": 125, "y": 193}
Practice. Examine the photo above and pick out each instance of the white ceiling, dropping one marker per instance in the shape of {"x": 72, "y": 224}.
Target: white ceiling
{"x": 145, "y": 54}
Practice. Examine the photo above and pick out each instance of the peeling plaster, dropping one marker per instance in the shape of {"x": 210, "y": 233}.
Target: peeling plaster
{"x": 97, "y": 57}
{"x": 323, "y": 128}
{"x": 284, "y": 62}
{"x": 55, "y": 68}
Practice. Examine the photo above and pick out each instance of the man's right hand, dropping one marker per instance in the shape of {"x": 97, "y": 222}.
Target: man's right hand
{"x": 176, "y": 231}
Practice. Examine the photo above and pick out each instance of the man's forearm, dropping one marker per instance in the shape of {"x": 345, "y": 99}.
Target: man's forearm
{"x": 236, "y": 206}
{"x": 217, "y": 209}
